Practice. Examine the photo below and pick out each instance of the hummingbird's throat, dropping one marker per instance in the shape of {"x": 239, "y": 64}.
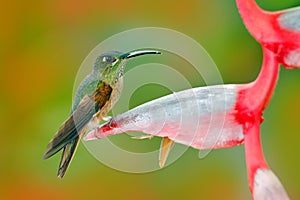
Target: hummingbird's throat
{"x": 120, "y": 72}
{"x": 113, "y": 76}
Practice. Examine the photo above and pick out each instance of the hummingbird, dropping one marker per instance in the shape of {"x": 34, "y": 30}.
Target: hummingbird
{"x": 95, "y": 96}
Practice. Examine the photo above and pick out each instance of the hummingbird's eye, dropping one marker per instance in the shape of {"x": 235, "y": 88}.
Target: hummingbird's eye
{"x": 108, "y": 59}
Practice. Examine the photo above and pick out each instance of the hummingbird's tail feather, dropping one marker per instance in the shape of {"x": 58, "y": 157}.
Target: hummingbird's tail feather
{"x": 66, "y": 133}
{"x": 72, "y": 127}
{"x": 67, "y": 156}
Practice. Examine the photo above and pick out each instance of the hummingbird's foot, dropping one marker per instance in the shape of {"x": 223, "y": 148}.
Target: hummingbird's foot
{"x": 165, "y": 147}
{"x": 142, "y": 137}
{"x": 107, "y": 118}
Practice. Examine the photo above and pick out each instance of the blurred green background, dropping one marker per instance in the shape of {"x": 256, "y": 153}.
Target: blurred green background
{"x": 42, "y": 44}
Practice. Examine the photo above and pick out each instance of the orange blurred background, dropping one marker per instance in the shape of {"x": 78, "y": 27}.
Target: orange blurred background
{"x": 42, "y": 44}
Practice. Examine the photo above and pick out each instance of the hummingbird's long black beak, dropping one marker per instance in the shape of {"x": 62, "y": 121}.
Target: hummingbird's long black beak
{"x": 138, "y": 53}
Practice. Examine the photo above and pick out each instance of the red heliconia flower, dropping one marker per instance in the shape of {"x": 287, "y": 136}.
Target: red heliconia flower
{"x": 224, "y": 115}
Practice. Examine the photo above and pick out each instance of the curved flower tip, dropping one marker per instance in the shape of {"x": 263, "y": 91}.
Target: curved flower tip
{"x": 268, "y": 186}
{"x": 90, "y": 136}
{"x": 104, "y": 130}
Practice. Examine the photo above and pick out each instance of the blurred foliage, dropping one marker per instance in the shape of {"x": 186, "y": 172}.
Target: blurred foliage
{"x": 42, "y": 44}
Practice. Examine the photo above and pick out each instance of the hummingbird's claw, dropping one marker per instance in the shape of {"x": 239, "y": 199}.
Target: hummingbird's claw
{"x": 107, "y": 118}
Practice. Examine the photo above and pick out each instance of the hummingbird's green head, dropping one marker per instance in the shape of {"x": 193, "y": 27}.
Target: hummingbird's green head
{"x": 110, "y": 66}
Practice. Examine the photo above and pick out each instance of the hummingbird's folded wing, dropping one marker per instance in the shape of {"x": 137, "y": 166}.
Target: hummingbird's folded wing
{"x": 202, "y": 117}
{"x": 72, "y": 126}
